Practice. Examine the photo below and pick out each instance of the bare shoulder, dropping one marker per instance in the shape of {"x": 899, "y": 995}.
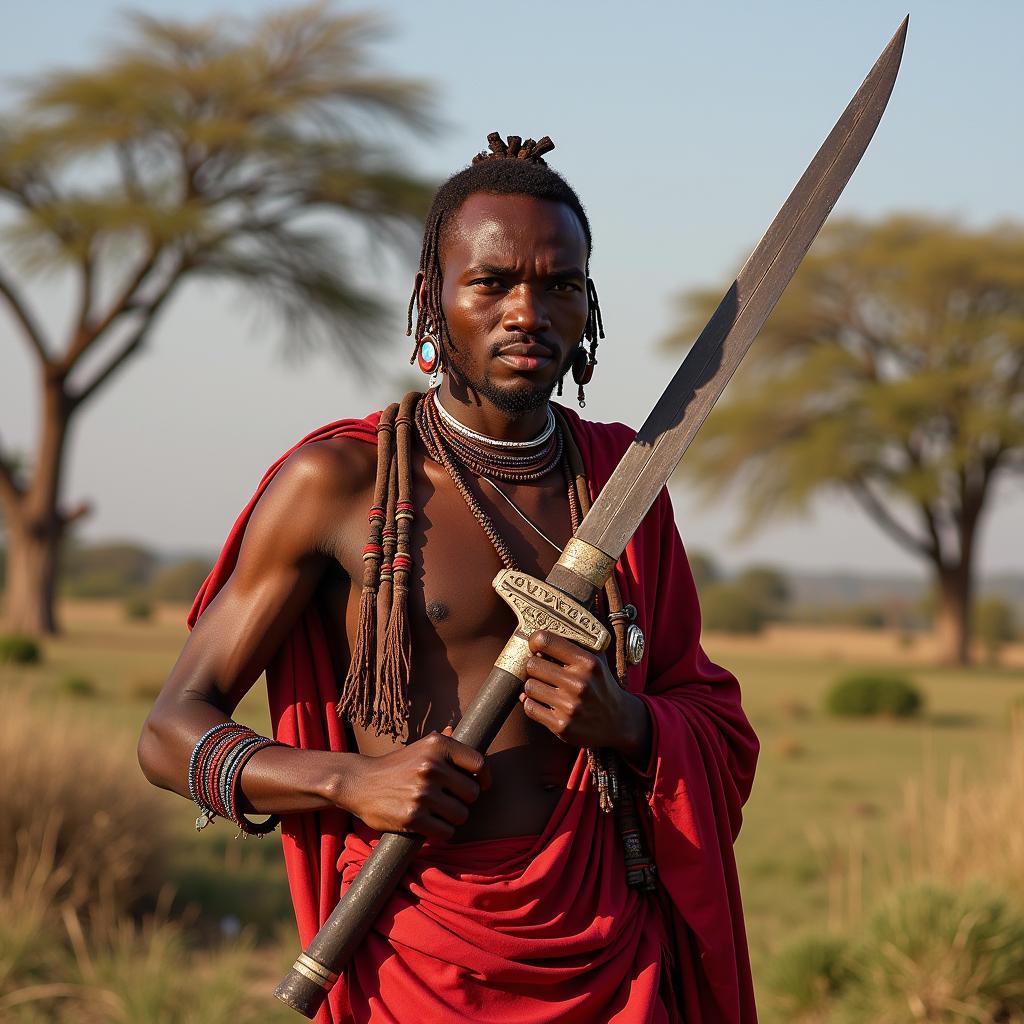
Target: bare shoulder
{"x": 335, "y": 469}
{"x": 318, "y": 500}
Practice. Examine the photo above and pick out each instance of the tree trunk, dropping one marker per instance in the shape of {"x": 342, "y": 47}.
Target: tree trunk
{"x": 35, "y": 525}
{"x": 30, "y": 588}
{"x": 953, "y": 614}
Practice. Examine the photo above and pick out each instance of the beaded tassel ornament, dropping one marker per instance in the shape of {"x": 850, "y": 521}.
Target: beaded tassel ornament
{"x": 375, "y": 692}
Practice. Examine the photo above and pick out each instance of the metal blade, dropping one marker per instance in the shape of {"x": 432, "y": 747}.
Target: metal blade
{"x": 661, "y": 441}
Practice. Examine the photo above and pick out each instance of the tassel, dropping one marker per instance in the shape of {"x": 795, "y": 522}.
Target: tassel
{"x": 354, "y": 702}
{"x": 391, "y": 708}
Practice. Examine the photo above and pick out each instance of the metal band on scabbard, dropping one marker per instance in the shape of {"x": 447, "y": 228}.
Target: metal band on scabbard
{"x": 315, "y": 971}
{"x": 587, "y": 562}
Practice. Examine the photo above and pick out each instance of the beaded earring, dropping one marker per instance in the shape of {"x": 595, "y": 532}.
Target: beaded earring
{"x": 583, "y": 364}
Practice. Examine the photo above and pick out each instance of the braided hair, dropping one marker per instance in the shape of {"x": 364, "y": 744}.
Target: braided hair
{"x": 511, "y": 167}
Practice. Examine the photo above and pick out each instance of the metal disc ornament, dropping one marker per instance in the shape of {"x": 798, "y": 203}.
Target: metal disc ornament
{"x": 634, "y": 644}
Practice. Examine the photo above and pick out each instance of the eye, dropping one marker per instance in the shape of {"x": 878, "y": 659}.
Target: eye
{"x": 565, "y": 286}
{"x": 486, "y": 282}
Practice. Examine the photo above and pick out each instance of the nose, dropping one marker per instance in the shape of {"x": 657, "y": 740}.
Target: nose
{"x": 525, "y": 311}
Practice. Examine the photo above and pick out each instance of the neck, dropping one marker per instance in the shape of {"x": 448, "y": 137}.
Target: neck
{"x": 475, "y": 411}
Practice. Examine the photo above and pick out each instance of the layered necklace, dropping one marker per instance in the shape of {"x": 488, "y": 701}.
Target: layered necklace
{"x": 456, "y": 447}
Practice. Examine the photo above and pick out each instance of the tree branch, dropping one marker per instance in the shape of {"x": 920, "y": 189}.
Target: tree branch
{"x": 132, "y": 345}
{"x": 871, "y": 504}
{"x": 87, "y": 334}
{"x": 86, "y": 292}
{"x": 32, "y": 331}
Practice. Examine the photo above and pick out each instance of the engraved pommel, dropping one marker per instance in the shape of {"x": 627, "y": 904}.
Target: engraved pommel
{"x": 538, "y": 605}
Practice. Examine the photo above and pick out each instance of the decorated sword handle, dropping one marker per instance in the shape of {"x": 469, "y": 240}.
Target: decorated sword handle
{"x": 538, "y": 604}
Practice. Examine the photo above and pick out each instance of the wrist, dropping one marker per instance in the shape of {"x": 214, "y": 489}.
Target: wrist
{"x": 342, "y": 783}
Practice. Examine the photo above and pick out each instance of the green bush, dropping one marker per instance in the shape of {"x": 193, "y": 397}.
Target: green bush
{"x": 138, "y": 609}
{"x": 808, "y": 974}
{"x": 16, "y": 649}
{"x": 105, "y": 570}
{"x": 729, "y": 608}
{"x": 867, "y": 694}
{"x": 77, "y": 685}
{"x": 994, "y": 625}
{"x": 940, "y": 955}
{"x": 767, "y": 587}
{"x": 180, "y": 581}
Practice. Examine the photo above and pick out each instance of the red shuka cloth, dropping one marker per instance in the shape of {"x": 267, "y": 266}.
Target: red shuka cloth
{"x": 703, "y": 757}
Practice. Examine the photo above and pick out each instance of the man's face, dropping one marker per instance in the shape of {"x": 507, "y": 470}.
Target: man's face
{"x": 514, "y": 294}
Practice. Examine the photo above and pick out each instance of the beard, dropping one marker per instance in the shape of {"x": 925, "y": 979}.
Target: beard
{"x": 515, "y": 398}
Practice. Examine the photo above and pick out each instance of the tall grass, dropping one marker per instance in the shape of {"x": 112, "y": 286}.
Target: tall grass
{"x": 71, "y": 799}
{"x": 952, "y": 833}
{"x": 926, "y": 924}
{"x": 86, "y": 928}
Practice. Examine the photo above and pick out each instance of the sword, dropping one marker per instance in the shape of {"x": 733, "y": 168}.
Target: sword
{"x": 560, "y": 602}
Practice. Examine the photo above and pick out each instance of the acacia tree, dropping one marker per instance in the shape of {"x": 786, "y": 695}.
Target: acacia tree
{"x": 245, "y": 152}
{"x": 891, "y": 371}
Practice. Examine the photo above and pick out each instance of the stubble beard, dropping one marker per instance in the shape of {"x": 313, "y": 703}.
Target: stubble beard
{"x": 514, "y": 401}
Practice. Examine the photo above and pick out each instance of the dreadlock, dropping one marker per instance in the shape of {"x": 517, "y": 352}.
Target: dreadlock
{"x": 512, "y": 167}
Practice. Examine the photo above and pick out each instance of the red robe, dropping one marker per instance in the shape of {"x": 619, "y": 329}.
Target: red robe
{"x": 582, "y": 940}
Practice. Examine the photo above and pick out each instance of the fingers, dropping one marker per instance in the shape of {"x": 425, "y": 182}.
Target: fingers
{"x": 551, "y": 719}
{"x": 551, "y": 696}
{"x": 559, "y": 649}
{"x": 448, "y": 809}
{"x": 432, "y": 827}
{"x": 460, "y": 785}
{"x": 463, "y": 761}
{"x": 458, "y": 754}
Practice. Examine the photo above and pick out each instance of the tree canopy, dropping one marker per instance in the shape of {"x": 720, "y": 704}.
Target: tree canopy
{"x": 260, "y": 152}
{"x": 892, "y": 370}
{"x": 210, "y": 149}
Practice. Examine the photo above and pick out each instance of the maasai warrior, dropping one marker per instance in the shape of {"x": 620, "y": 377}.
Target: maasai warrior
{"x": 535, "y": 898}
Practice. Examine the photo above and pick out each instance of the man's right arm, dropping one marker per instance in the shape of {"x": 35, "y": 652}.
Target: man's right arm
{"x": 424, "y": 787}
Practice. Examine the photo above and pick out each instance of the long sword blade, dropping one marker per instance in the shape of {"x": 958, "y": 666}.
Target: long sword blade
{"x": 661, "y": 441}
{"x": 624, "y": 501}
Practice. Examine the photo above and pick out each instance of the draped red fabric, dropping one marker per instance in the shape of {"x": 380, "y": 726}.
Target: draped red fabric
{"x": 543, "y": 927}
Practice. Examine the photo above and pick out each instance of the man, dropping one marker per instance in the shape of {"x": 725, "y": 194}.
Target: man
{"x": 518, "y": 907}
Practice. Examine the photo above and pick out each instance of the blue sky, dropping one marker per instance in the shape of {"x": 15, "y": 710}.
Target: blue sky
{"x": 682, "y": 125}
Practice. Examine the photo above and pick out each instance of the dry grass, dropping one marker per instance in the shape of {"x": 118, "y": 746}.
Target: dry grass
{"x": 948, "y": 832}
{"x": 81, "y": 856}
{"x": 77, "y": 810}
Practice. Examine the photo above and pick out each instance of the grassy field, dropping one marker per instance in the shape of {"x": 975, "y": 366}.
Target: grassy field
{"x": 828, "y": 792}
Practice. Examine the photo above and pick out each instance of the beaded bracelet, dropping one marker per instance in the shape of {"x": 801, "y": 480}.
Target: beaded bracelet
{"x": 214, "y": 776}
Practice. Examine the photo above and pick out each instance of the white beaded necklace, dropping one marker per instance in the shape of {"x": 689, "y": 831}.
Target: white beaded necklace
{"x": 473, "y": 435}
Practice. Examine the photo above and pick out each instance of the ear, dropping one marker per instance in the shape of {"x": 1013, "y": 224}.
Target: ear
{"x": 420, "y": 287}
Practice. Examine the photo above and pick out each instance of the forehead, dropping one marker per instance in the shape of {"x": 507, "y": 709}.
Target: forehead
{"x": 507, "y": 229}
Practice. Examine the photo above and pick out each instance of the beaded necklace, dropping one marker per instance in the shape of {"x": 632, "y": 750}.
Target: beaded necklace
{"x": 450, "y": 448}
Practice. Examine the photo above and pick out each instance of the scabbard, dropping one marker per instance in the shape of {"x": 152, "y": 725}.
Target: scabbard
{"x": 560, "y": 604}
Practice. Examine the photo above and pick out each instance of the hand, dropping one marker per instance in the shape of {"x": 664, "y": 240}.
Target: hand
{"x": 572, "y": 692}
{"x": 426, "y": 787}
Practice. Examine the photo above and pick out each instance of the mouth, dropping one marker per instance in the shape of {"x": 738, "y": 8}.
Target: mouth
{"x": 525, "y": 357}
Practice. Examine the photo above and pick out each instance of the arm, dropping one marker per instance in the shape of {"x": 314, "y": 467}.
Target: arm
{"x": 424, "y": 787}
